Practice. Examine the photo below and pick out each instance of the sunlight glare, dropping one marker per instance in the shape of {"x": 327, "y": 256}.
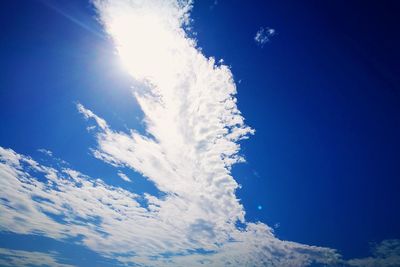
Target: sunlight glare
{"x": 147, "y": 46}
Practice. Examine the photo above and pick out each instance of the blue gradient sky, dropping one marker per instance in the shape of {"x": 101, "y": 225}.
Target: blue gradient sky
{"x": 323, "y": 95}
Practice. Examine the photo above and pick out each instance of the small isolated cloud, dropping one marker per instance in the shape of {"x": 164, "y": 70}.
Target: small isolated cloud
{"x": 264, "y": 35}
{"x": 124, "y": 177}
{"x": 21, "y": 258}
{"x": 90, "y": 128}
{"x": 46, "y": 152}
{"x": 87, "y": 114}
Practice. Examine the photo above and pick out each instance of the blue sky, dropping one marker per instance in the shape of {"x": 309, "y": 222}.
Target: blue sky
{"x": 321, "y": 174}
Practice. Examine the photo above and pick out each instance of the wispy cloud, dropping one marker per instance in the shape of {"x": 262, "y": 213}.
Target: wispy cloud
{"x": 46, "y": 152}
{"x": 384, "y": 254}
{"x": 21, "y": 258}
{"x": 89, "y": 114}
{"x": 264, "y": 35}
{"x": 124, "y": 177}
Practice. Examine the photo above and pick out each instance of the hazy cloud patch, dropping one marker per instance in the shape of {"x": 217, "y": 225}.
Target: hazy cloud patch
{"x": 264, "y": 35}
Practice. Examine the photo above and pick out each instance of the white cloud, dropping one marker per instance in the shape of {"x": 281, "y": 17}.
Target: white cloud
{"x": 384, "y": 254}
{"x": 65, "y": 203}
{"x": 264, "y": 35}
{"x": 193, "y": 127}
{"x": 21, "y": 258}
{"x": 124, "y": 176}
{"x": 46, "y": 152}
{"x": 88, "y": 114}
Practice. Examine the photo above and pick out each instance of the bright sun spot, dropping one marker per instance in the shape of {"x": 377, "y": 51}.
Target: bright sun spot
{"x": 147, "y": 46}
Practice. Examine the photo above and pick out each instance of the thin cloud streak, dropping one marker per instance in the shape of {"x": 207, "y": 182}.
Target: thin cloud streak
{"x": 21, "y": 258}
{"x": 124, "y": 177}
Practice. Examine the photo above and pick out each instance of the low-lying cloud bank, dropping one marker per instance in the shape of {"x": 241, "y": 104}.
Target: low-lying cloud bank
{"x": 192, "y": 131}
